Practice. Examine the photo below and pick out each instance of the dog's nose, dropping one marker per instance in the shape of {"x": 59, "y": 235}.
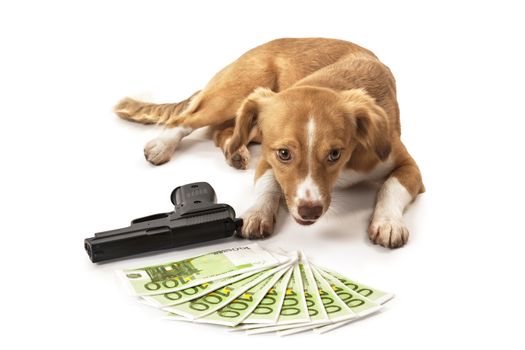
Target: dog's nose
{"x": 310, "y": 212}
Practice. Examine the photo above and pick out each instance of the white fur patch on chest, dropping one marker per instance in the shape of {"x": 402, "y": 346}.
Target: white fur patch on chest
{"x": 349, "y": 177}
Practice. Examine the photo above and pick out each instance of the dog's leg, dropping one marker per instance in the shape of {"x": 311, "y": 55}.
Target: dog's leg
{"x": 217, "y": 103}
{"x": 159, "y": 150}
{"x": 237, "y": 160}
{"x": 241, "y": 157}
{"x": 212, "y": 107}
{"x": 259, "y": 220}
{"x": 401, "y": 187}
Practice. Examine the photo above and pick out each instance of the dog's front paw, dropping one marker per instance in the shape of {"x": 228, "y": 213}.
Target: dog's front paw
{"x": 240, "y": 158}
{"x": 387, "y": 232}
{"x": 257, "y": 224}
{"x": 158, "y": 151}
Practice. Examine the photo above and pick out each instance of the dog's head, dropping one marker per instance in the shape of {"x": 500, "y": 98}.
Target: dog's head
{"x": 308, "y": 135}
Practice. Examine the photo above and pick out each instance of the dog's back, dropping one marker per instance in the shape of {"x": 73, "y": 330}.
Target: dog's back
{"x": 286, "y": 61}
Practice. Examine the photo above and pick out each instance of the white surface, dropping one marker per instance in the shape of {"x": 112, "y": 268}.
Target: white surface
{"x": 70, "y": 168}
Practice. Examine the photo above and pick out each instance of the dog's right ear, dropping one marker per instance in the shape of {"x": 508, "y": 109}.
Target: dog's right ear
{"x": 247, "y": 117}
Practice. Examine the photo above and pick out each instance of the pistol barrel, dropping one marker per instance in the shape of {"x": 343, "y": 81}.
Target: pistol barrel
{"x": 163, "y": 231}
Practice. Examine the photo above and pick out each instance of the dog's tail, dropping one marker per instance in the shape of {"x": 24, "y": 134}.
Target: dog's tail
{"x": 152, "y": 113}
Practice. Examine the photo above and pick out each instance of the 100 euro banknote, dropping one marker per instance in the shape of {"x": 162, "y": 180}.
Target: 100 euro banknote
{"x": 240, "y": 308}
{"x": 249, "y": 288}
{"x": 314, "y": 304}
{"x": 357, "y": 304}
{"x": 191, "y": 293}
{"x": 219, "y": 298}
{"x": 268, "y": 310}
{"x": 373, "y": 294}
{"x": 178, "y": 275}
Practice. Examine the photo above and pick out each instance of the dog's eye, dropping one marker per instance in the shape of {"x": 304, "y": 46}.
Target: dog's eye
{"x": 334, "y": 155}
{"x": 284, "y": 155}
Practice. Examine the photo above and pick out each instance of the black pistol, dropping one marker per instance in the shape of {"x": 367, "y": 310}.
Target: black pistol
{"x": 196, "y": 218}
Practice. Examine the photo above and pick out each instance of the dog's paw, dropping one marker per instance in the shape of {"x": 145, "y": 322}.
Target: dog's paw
{"x": 387, "y": 232}
{"x": 158, "y": 151}
{"x": 240, "y": 158}
{"x": 257, "y": 224}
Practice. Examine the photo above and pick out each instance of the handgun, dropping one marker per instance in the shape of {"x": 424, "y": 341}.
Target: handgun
{"x": 196, "y": 218}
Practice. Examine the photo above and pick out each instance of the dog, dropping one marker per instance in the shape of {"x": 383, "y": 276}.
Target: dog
{"x": 326, "y": 114}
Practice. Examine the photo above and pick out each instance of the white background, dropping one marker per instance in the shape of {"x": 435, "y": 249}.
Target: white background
{"x": 71, "y": 168}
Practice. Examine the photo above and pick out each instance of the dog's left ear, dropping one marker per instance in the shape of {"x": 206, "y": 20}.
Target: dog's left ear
{"x": 247, "y": 116}
{"x": 370, "y": 122}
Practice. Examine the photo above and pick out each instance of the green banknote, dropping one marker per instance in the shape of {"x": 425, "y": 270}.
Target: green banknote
{"x": 314, "y": 305}
{"x": 360, "y": 305}
{"x": 249, "y": 288}
{"x": 294, "y": 309}
{"x": 267, "y": 312}
{"x": 316, "y": 309}
{"x": 341, "y": 303}
{"x": 314, "y": 302}
{"x": 217, "y": 299}
{"x": 184, "y": 295}
{"x": 330, "y": 327}
{"x": 178, "y": 275}
{"x": 375, "y": 295}
{"x": 240, "y": 308}
{"x": 336, "y": 308}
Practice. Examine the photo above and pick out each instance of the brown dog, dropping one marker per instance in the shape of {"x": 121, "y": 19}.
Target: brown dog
{"x": 326, "y": 114}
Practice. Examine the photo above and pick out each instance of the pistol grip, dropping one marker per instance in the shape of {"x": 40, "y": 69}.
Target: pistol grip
{"x": 192, "y": 197}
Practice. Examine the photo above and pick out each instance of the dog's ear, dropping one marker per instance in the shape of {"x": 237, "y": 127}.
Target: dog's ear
{"x": 247, "y": 116}
{"x": 370, "y": 122}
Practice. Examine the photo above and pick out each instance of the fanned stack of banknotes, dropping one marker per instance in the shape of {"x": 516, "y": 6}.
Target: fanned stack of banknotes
{"x": 255, "y": 290}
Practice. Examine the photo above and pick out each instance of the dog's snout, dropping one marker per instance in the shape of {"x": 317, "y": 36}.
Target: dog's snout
{"x": 310, "y": 212}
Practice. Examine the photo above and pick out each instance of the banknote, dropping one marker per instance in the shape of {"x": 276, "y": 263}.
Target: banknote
{"x": 294, "y": 309}
{"x": 335, "y": 296}
{"x": 240, "y": 308}
{"x": 252, "y": 289}
{"x": 359, "y": 305}
{"x": 336, "y": 308}
{"x": 373, "y": 294}
{"x": 178, "y": 275}
{"x": 268, "y": 310}
{"x": 330, "y": 327}
{"x": 184, "y": 295}
{"x": 314, "y": 303}
{"x": 217, "y": 299}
